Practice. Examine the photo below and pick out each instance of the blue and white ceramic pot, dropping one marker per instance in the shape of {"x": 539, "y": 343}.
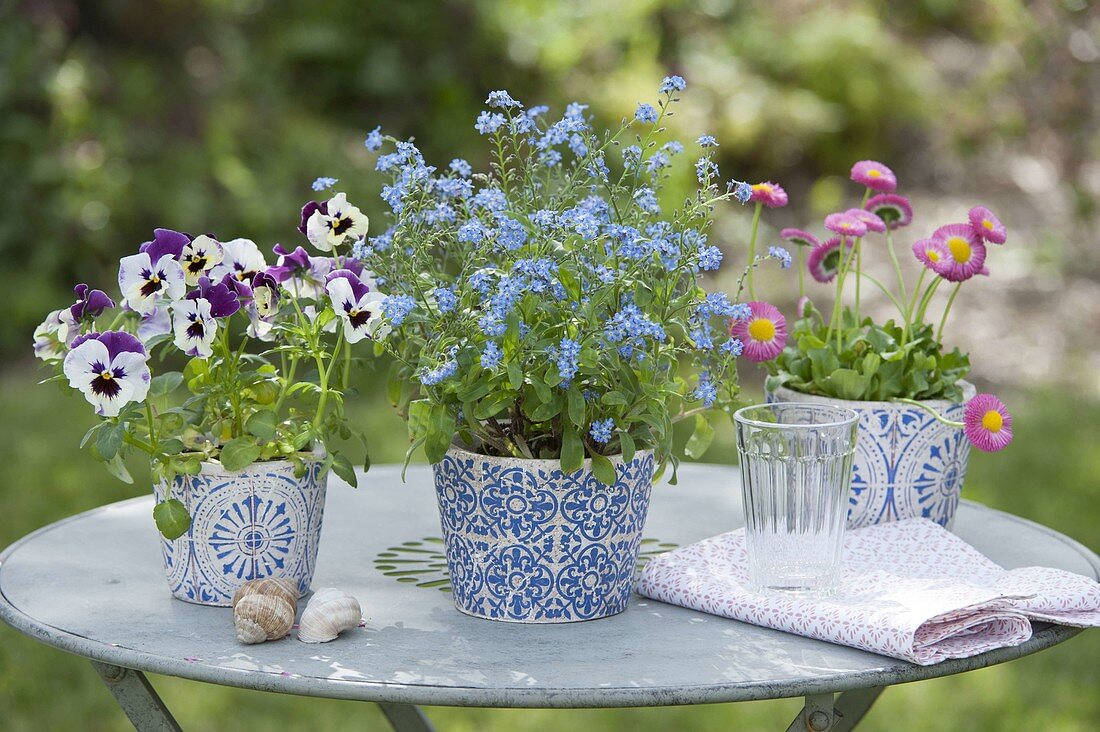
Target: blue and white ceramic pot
{"x": 259, "y": 522}
{"x": 527, "y": 543}
{"x": 907, "y": 464}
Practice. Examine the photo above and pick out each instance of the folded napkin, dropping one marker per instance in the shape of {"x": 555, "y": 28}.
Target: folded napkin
{"x": 909, "y": 589}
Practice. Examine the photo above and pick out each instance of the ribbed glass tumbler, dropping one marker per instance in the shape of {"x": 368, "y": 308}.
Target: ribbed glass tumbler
{"x": 796, "y": 467}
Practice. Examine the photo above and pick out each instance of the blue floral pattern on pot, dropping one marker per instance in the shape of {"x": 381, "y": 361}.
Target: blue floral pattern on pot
{"x": 262, "y": 521}
{"x": 907, "y": 464}
{"x": 528, "y": 543}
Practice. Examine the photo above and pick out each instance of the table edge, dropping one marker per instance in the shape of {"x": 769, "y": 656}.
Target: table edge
{"x": 1047, "y": 635}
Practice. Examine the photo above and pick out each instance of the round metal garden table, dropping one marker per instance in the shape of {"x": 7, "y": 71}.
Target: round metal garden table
{"x": 94, "y": 585}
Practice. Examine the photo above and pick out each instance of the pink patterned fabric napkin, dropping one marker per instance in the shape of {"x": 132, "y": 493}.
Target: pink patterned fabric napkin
{"x": 910, "y": 589}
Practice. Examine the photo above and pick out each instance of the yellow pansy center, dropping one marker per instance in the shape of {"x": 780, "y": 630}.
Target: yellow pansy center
{"x": 993, "y": 421}
{"x": 106, "y": 375}
{"x": 873, "y": 173}
{"x": 155, "y": 279}
{"x": 987, "y": 224}
{"x": 960, "y": 249}
{"x": 762, "y": 329}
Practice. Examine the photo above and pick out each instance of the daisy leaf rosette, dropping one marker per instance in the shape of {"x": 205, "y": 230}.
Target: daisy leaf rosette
{"x": 555, "y": 305}
{"x": 263, "y": 365}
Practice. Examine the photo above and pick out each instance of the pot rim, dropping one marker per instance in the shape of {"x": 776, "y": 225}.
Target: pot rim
{"x": 617, "y": 458}
{"x": 215, "y": 467}
{"x": 968, "y": 389}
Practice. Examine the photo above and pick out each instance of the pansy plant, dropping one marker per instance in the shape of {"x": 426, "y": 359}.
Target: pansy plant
{"x": 848, "y": 355}
{"x": 551, "y": 306}
{"x": 268, "y": 349}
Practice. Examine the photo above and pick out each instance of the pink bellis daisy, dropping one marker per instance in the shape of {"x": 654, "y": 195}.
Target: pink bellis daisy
{"x": 875, "y": 176}
{"x": 895, "y": 211}
{"x": 845, "y": 225}
{"x": 870, "y": 220}
{"x": 799, "y": 237}
{"x": 770, "y": 194}
{"x": 825, "y": 260}
{"x": 763, "y": 333}
{"x": 930, "y": 252}
{"x": 966, "y": 252}
{"x": 988, "y": 226}
{"x": 987, "y": 423}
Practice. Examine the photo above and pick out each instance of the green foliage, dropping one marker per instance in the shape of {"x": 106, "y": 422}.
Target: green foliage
{"x": 872, "y": 363}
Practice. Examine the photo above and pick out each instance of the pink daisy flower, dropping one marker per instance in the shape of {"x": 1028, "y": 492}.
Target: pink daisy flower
{"x": 770, "y": 194}
{"x": 764, "y": 333}
{"x": 799, "y": 237}
{"x": 988, "y": 226}
{"x": 896, "y": 211}
{"x": 871, "y": 220}
{"x": 875, "y": 176}
{"x": 966, "y": 252}
{"x": 845, "y": 225}
{"x": 825, "y": 260}
{"x": 987, "y": 423}
{"x": 930, "y": 252}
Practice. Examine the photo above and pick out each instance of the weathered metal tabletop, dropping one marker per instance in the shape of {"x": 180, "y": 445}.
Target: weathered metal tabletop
{"x": 94, "y": 585}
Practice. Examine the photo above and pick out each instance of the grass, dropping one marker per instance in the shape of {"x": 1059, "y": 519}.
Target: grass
{"x": 1051, "y": 474}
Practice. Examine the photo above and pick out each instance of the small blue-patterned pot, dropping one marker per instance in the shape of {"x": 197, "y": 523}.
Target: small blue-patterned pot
{"x": 907, "y": 464}
{"x": 527, "y": 543}
{"x": 258, "y": 522}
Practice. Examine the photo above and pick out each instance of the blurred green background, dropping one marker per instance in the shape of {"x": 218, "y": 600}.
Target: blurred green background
{"x": 120, "y": 115}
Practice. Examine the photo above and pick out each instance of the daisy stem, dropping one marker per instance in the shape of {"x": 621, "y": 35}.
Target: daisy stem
{"x": 946, "y": 310}
{"x": 752, "y": 245}
{"x": 885, "y": 291}
{"x": 801, "y": 273}
{"x": 926, "y": 300}
{"x": 834, "y": 321}
{"x": 912, "y": 305}
{"x": 859, "y": 270}
{"x": 939, "y": 418}
{"x": 897, "y": 267}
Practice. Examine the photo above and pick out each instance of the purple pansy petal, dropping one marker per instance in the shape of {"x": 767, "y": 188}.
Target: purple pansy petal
{"x": 308, "y": 210}
{"x": 358, "y": 289}
{"x": 165, "y": 241}
{"x": 89, "y": 302}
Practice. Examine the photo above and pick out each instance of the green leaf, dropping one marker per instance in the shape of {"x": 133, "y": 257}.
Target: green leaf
{"x": 344, "y": 469}
{"x": 474, "y": 391}
{"x": 846, "y": 383}
{"x": 261, "y": 424}
{"x": 117, "y": 468}
{"x": 700, "y": 439}
{"x": 93, "y": 433}
{"x": 572, "y": 451}
{"x": 441, "y": 433}
{"x": 172, "y": 518}
{"x": 603, "y": 469}
{"x": 239, "y": 453}
{"x": 615, "y": 399}
{"x": 170, "y": 446}
{"x": 165, "y": 383}
{"x": 627, "y": 443}
{"x": 419, "y": 413}
{"x": 576, "y": 406}
{"x": 515, "y": 375}
{"x": 493, "y": 404}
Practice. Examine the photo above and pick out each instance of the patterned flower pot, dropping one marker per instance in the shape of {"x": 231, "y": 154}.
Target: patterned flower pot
{"x": 527, "y": 543}
{"x": 258, "y": 522}
{"x": 907, "y": 464}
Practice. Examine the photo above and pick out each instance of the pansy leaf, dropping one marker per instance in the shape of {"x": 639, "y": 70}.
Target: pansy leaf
{"x": 239, "y": 453}
{"x": 262, "y": 424}
{"x": 110, "y": 440}
{"x": 165, "y": 383}
{"x": 172, "y": 518}
{"x": 344, "y": 469}
{"x": 117, "y": 468}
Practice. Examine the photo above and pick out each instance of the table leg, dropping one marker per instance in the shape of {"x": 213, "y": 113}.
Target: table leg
{"x": 824, "y": 714}
{"x": 406, "y": 717}
{"x": 138, "y": 698}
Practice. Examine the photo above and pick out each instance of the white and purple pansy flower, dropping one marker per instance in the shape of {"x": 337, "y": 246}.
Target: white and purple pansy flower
{"x": 242, "y": 259}
{"x": 89, "y": 303}
{"x": 340, "y": 221}
{"x": 154, "y": 274}
{"x": 359, "y": 307}
{"x": 199, "y": 256}
{"x": 308, "y": 211}
{"x": 223, "y": 297}
{"x": 110, "y": 369}
{"x": 301, "y": 274}
{"x": 264, "y": 306}
{"x": 53, "y": 336}
{"x": 194, "y": 326}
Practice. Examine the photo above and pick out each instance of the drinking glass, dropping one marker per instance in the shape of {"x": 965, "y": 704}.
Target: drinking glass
{"x": 796, "y": 466}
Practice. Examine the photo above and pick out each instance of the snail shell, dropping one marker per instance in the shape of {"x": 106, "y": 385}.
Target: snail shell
{"x": 328, "y": 612}
{"x": 285, "y": 588}
{"x": 263, "y": 616}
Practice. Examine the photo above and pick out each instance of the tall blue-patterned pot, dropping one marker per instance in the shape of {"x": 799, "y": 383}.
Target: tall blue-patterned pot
{"x": 527, "y": 543}
{"x": 907, "y": 464}
{"x": 262, "y": 521}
